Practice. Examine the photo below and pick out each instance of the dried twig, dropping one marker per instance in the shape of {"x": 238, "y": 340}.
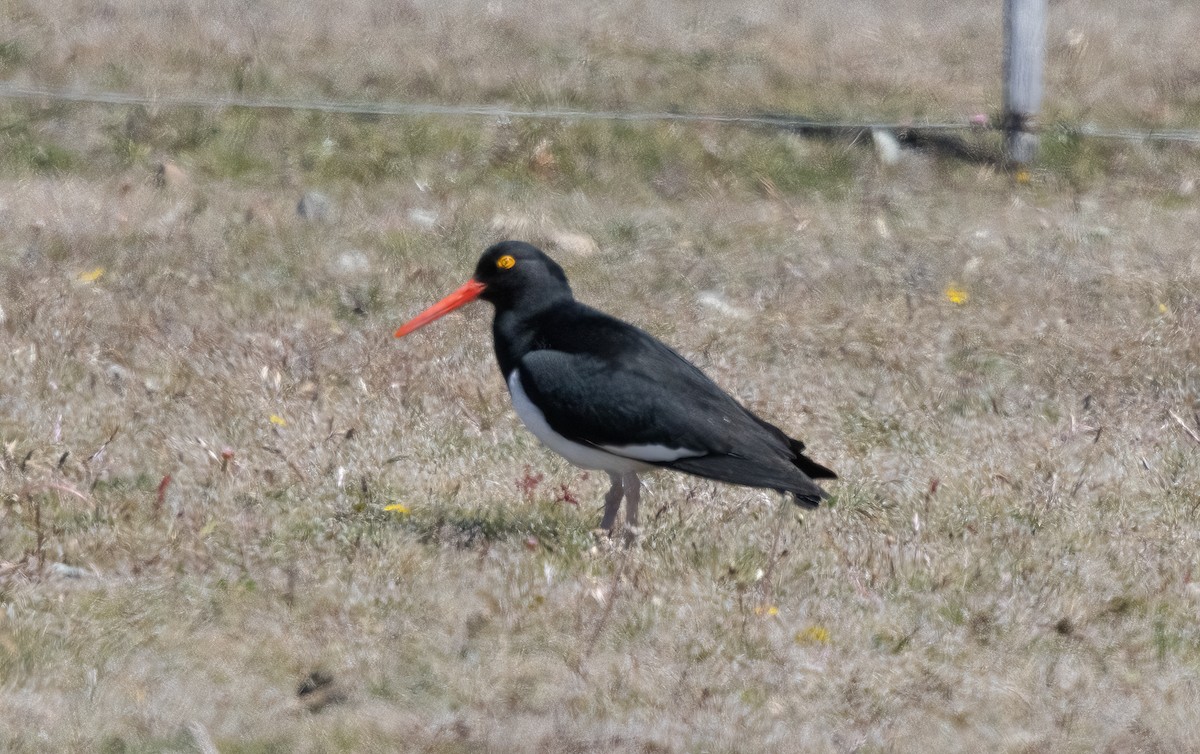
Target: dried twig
{"x": 201, "y": 738}
{"x": 29, "y": 489}
{"x": 1190, "y": 432}
{"x": 766, "y": 584}
{"x": 611, "y": 599}
{"x": 104, "y": 445}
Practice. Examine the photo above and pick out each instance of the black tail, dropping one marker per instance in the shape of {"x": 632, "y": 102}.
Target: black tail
{"x": 774, "y": 474}
{"x": 796, "y": 448}
{"x": 813, "y": 470}
{"x": 808, "y": 465}
{"x": 805, "y": 500}
{"x": 775, "y": 468}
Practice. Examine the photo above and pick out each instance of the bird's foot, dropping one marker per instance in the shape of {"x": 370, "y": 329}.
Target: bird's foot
{"x": 602, "y": 534}
{"x": 625, "y": 534}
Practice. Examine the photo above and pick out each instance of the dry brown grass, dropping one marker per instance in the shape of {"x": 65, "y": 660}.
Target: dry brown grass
{"x": 1010, "y": 562}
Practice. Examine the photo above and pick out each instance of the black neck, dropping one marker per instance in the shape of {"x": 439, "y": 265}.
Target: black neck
{"x": 515, "y": 328}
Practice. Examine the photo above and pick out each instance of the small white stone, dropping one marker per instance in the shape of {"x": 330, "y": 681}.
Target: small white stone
{"x": 579, "y": 244}
{"x": 716, "y": 302}
{"x": 67, "y": 571}
{"x": 353, "y": 262}
{"x": 887, "y": 147}
{"x": 424, "y": 219}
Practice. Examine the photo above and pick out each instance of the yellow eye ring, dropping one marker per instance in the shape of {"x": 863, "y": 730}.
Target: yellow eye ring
{"x": 505, "y": 262}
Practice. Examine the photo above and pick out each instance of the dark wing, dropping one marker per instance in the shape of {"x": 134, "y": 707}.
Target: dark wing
{"x": 588, "y": 400}
{"x": 653, "y": 397}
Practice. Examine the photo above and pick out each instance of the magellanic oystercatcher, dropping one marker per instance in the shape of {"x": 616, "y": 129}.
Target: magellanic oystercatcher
{"x": 606, "y": 395}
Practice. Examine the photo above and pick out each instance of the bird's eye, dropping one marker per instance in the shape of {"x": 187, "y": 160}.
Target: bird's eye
{"x": 505, "y": 262}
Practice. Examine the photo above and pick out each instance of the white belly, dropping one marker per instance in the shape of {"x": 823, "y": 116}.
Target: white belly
{"x": 617, "y": 459}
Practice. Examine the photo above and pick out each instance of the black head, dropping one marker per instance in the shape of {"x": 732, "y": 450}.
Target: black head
{"x": 514, "y": 270}
{"x": 512, "y": 275}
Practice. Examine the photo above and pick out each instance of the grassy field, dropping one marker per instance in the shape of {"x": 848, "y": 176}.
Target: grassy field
{"x": 238, "y": 516}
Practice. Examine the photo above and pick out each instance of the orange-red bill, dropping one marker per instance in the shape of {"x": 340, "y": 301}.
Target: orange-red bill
{"x": 469, "y": 291}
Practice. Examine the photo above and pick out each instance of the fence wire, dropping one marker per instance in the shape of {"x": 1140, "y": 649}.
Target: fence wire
{"x": 410, "y": 109}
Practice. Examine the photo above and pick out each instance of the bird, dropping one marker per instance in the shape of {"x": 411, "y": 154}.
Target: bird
{"x": 606, "y": 395}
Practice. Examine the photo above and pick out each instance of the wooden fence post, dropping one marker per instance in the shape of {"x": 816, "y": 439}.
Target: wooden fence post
{"x": 1024, "y": 51}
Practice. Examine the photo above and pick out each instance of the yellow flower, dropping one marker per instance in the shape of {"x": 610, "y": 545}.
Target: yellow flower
{"x": 766, "y": 610}
{"x": 1022, "y": 176}
{"x": 91, "y": 276}
{"x": 956, "y": 294}
{"x": 397, "y": 508}
{"x": 1162, "y": 309}
{"x": 813, "y": 635}
{"x": 278, "y": 420}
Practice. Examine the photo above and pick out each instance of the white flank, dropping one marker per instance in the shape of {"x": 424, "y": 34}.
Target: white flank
{"x": 617, "y": 459}
{"x": 652, "y": 453}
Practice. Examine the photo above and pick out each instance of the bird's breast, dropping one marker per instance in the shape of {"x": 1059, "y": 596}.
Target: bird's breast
{"x": 583, "y": 456}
